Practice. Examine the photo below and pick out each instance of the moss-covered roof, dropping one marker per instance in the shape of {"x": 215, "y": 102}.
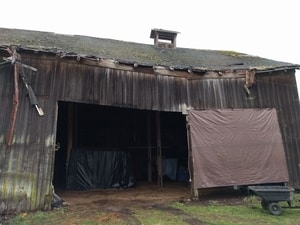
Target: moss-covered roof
{"x": 142, "y": 54}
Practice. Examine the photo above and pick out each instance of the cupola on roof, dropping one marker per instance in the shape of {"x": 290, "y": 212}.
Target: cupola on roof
{"x": 164, "y": 38}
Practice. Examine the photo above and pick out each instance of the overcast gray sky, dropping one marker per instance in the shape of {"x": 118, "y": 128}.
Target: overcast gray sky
{"x": 266, "y": 28}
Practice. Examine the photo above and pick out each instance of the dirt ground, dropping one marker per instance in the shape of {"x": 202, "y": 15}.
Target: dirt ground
{"x": 142, "y": 195}
{"x": 146, "y": 194}
{"x": 119, "y": 202}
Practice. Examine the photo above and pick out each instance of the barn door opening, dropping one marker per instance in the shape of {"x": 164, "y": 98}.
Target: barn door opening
{"x": 144, "y": 146}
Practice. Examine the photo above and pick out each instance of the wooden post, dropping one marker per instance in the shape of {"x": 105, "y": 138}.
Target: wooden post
{"x": 13, "y": 116}
{"x": 76, "y": 137}
{"x": 149, "y": 149}
{"x": 70, "y": 133}
{"x": 158, "y": 147}
{"x": 194, "y": 191}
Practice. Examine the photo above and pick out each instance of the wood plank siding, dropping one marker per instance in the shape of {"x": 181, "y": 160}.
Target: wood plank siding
{"x": 32, "y": 155}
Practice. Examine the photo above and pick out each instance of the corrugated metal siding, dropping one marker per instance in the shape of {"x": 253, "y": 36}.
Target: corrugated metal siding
{"x": 26, "y": 170}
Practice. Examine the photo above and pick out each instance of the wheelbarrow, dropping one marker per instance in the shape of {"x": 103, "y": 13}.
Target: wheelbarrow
{"x": 271, "y": 195}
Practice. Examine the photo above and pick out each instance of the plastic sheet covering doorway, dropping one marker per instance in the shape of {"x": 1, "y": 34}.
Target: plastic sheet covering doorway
{"x": 236, "y": 147}
{"x": 91, "y": 168}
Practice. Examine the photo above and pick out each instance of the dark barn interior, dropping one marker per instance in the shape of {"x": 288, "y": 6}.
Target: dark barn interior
{"x": 114, "y": 129}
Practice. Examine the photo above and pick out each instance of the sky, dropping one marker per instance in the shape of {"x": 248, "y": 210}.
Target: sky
{"x": 265, "y": 28}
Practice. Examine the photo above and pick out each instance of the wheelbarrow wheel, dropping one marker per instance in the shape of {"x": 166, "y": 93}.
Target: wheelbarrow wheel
{"x": 264, "y": 204}
{"x": 275, "y": 209}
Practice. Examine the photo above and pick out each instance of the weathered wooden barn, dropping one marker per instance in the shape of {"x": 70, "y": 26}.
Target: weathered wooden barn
{"x": 67, "y": 102}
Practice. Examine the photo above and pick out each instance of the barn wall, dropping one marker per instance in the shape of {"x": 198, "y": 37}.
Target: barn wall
{"x": 26, "y": 170}
{"x": 113, "y": 87}
{"x": 272, "y": 90}
{"x": 279, "y": 90}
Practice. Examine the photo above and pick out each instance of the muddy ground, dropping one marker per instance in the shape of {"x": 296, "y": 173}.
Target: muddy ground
{"x": 119, "y": 202}
{"x": 145, "y": 194}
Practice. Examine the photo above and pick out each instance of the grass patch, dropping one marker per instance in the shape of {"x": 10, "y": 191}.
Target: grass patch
{"x": 245, "y": 214}
{"x": 55, "y": 217}
{"x": 157, "y": 217}
{"x": 34, "y": 218}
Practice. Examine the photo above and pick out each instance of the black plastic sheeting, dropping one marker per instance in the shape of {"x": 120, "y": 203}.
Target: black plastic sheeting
{"x": 91, "y": 169}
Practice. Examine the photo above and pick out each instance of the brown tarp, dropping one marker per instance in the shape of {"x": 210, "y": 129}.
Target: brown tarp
{"x": 236, "y": 147}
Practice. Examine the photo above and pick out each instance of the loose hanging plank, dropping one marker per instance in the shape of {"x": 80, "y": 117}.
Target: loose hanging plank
{"x": 13, "y": 116}
{"x": 32, "y": 98}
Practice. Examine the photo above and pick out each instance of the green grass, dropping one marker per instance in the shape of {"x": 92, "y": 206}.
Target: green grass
{"x": 247, "y": 214}
{"x": 35, "y": 218}
{"x": 158, "y": 217}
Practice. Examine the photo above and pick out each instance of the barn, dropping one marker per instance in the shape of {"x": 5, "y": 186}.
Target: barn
{"x": 80, "y": 113}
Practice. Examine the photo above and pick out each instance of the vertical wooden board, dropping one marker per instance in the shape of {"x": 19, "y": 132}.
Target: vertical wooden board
{"x": 59, "y": 80}
{"x": 124, "y": 89}
{"x": 100, "y": 86}
{"x": 172, "y": 94}
{"x": 164, "y": 92}
{"x": 135, "y": 89}
{"x": 145, "y": 87}
{"x": 241, "y": 100}
{"x": 232, "y": 89}
{"x": 221, "y": 94}
{"x": 6, "y": 102}
{"x": 40, "y": 81}
{"x": 168, "y": 93}
{"x": 88, "y": 80}
{"x": 6, "y": 80}
{"x": 110, "y": 87}
{"x": 191, "y": 92}
{"x": 150, "y": 94}
{"x": 73, "y": 85}
{"x": 118, "y": 92}
{"x": 209, "y": 94}
{"x": 153, "y": 92}
{"x": 141, "y": 89}
{"x": 161, "y": 91}
{"x": 129, "y": 89}
{"x": 180, "y": 93}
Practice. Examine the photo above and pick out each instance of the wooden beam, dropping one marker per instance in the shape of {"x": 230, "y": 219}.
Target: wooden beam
{"x": 14, "y": 111}
{"x": 70, "y": 133}
{"x": 149, "y": 149}
{"x": 158, "y": 148}
{"x": 194, "y": 191}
